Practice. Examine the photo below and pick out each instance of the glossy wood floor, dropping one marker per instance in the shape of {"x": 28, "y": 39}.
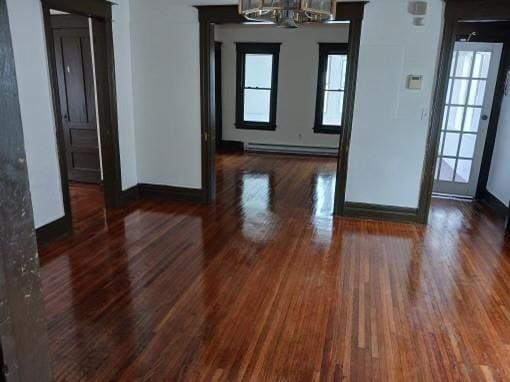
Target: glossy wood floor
{"x": 266, "y": 286}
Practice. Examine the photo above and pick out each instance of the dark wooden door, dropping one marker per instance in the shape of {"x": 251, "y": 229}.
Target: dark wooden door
{"x": 76, "y": 89}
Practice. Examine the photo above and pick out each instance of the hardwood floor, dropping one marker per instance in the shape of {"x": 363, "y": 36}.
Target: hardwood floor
{"x": 87, "y": 201}
{"x": 265, "y": 285}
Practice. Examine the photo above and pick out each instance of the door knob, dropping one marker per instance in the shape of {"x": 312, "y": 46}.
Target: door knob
{"x": 485, "y": 117}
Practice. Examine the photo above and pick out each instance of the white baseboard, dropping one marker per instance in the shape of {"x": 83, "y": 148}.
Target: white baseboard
{"x": 289, "y": 149}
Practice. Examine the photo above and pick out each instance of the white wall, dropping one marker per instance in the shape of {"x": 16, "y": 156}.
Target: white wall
{"x": 166, "y": 90}
{"x": 123, "y": 78}
{"x": 29, "y": 46}
{"x": 499, "y": 176}
{"x": 37, "y": 111}
{"x": 297, "y": 81}
{"x": 389, "y": 133}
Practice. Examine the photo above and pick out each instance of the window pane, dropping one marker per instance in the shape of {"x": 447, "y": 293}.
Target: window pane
{"x": 477, "y": 92}
{"x": 258, "y": 69}
{"x": 447, "y": 166}
{"x": 449, "y": 91}
{"x": 256, "y": 105}
{"x": 451, "y": 144}
{"x": 455, "y": 118}
{"x": 464, "y": 60}
{"x": 459, "y": 92}
{"x": 333, "y": 103}
{"x": 335, "y": 72}
{"x": 467, "y": 146}
{"x": 472, "y": 120}
{"x": 440, "y": 148}
{"x": 445, "y": 116}
{"x": 454, "y": 59}
{"x": 482, "y": 64}
{"x": 463, "y": 171}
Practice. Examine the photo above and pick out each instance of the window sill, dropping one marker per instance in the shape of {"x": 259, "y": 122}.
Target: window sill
{"x": 327, "y": 129}
{"x": 255, "y": 126}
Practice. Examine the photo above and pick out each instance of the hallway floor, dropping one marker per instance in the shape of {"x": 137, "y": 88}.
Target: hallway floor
{"x": 265, "y": 285}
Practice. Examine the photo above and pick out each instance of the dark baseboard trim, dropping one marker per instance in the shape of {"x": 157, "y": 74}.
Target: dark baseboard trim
{"x": 53, "y": 231}
{"x": 231, "y": 146}
{"x": 497, "y": 205}
{"x": 381, "y": 212}
{"x": 130, "y": 195}
{"x": 170, "y": 192}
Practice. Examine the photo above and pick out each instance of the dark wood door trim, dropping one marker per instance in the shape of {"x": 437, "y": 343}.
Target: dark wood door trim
{"x": 90, "y": 8}
{"x": 222, "y": 14}
{"x": 23, "y": 336}
{"x": 100, "y": 12}
{"x": 456, "y": 11}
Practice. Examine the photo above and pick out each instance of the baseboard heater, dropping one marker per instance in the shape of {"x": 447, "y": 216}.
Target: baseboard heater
{"x": 289, "y": 149}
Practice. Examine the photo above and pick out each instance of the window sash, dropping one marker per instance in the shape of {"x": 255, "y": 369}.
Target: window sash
{"x": 323, "y": 124}
{"x": 244, "y": 49}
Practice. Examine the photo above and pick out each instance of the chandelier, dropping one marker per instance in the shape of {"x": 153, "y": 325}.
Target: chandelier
{"x": 288, "y": 13}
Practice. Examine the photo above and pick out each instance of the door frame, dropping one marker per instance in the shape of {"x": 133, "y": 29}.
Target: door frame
{"x": 457, "y": 11}
{"x": 100, "y": 13}
{"x": 209, "y": 16}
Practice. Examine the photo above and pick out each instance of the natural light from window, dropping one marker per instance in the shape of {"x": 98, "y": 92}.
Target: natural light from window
{"x": 257, "y": 87}
{"x": 334, "y": 90}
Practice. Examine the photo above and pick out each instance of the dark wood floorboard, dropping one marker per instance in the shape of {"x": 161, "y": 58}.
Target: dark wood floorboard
{"x": 266, "y": 286}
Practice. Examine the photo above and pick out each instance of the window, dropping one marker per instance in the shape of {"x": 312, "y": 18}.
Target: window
{"x": 257, "y": 80}
{"x": 330, "y": 88}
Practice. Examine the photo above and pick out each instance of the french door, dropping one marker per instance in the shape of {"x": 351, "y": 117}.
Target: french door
{"x": 473, "y": 75}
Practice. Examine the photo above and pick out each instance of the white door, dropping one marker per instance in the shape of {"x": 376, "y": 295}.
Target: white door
{"x": 473, "y": 76}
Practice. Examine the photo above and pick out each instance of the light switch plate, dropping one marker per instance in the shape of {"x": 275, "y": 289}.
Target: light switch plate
{"x": 414, "y": 82}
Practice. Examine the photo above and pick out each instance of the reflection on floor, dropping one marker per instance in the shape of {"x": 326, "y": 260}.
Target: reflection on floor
{"x": 87, "y": 200}
{"x": 264, "y": 285}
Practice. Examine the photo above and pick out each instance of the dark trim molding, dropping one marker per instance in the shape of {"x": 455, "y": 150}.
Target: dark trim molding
{"x": 242, "y": 49}
{"x": 380, "y": 212}
{"x": 211, "y": 15}
{"x": 456, "y": 11}
{"x": 231, "y": 146}
{"x": 90, "y": 8}
{"x": 497, "y": 205}
{"x": 325, "y": 49}
{"x": 130, "y": 195}
{"x": 170, "y": 192}
{"x": 348, "y": 109}
{"x": 53, "y": 231}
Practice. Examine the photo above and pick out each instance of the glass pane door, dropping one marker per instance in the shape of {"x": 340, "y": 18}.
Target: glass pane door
{"x": 471, "y": 87}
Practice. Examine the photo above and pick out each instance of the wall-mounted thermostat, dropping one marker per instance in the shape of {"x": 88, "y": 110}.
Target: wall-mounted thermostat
{"x": 418, "y": 9}
{"x": 414, "y": 82}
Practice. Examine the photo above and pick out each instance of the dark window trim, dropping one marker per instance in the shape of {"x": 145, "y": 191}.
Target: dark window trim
{"x": 244, "y": 48}
{"x": 326, "y": 49}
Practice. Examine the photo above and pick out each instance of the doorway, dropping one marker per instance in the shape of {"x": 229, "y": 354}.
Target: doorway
{"x": 474, "y": 30}
{"x": 84, "y": 105}
{"x": 74, "y": 52}
{"x": 471, "y": 86}
{"x": 209, "y": 17}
